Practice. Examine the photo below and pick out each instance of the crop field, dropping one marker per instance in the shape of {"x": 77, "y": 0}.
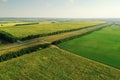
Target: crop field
{"x": 59, "y": 40}
{"x": 44, "y": 28}
{"x": 41, "y": 58}
{"x": 10, "y": 24}
{"x": 55, "y": 65}
{"x": 102, "y": 46}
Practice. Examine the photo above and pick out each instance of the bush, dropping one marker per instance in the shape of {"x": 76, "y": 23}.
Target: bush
{"x": 7, "y": 37}
{"x": 26, "y": 24}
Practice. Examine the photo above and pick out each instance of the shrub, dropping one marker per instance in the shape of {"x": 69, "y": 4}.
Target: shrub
{"x": 7, "y": 37}
{"x": 26, "y": 24}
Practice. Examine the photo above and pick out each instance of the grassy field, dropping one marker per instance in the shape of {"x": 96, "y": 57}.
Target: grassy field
{"x": 44, "y": 27}
{"x": 102, "y": 46}
{"x": 55, "y": 65}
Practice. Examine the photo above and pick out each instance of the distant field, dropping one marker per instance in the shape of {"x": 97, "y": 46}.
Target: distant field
{"x": 10, "y": 24}
{"x": 44, "y": 27}
{"x": 55, "y": 65}
{"x": 102, "y": 46}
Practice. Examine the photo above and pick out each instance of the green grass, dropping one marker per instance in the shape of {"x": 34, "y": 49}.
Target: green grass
{"x": 44, "y": 28}
{"x": 102, "y": 46}
{"x": 55, "y": 64}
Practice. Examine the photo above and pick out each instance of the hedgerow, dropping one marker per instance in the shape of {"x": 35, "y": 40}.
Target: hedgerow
{"x": 7, "y": 37}
{"x": 26, "y": 24}
{"x": 21, "y": 52}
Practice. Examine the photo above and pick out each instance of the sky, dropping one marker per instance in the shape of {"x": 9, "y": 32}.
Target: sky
{"x": 60, "y": 8}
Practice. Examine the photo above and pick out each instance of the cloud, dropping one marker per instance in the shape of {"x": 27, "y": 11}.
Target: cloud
{"x": 3, "y": 0}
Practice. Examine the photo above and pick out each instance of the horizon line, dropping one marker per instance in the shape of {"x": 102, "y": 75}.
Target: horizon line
{"x": 68, "y": 17}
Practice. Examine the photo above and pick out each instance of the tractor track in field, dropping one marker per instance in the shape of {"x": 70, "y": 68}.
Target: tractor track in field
{"x": 52, "y": 38}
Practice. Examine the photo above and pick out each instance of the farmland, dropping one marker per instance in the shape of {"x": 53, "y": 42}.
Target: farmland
{"x": 9, "y": 24}
{"x": 44, "y": 28}
{"x": 59, "y": 40}
{"x": 58, "y": 64}
{"x": 13, "y": 47}
{"x": 102, "y": 46}
{"x": 41, "y": 58}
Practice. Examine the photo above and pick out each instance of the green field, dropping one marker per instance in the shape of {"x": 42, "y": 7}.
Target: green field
{"x": 55, "y": 64}
{"x": 44, "y": 28}
{"x": 102, "y": 46}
